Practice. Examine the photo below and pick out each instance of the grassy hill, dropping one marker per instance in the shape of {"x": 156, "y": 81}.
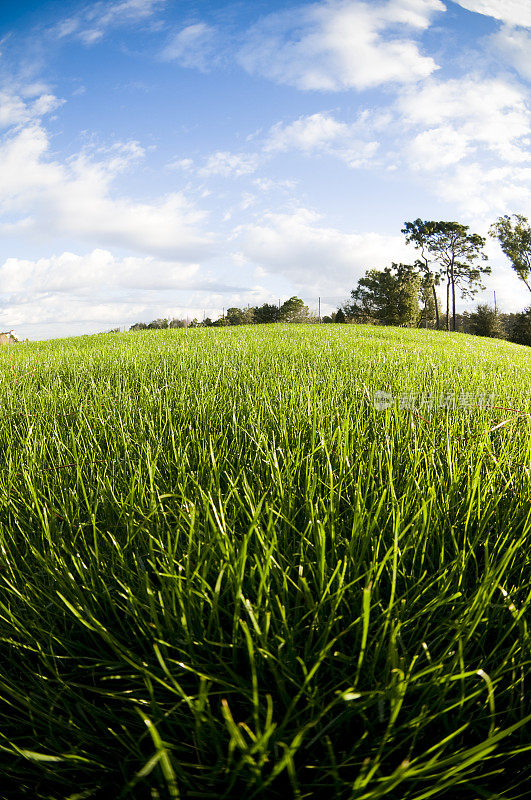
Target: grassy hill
{"x": 224, "y": 572}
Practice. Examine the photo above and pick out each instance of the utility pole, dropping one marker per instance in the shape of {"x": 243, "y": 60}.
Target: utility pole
{"x": 319, "y": 310}
{"x": 495, "y": 307}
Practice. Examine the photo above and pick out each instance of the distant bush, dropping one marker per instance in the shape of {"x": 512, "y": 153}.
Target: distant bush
{"x": 485, "y": 321}
{"x": 520, "y": 328}
{"x": 339, "y": 316}
{"x": 159, "y": 324}
{"x": 293, "y": 310}
{"x": 266, "y": 313}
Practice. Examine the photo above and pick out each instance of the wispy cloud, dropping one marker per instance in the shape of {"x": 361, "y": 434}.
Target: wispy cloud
{"x": 312, "y": 135}
{"x": 323, "y": 134}
{"x": 229, "y": 164}
{"x": 92, "y": 22}
{"x": 513, "y": 45}
{"x": 192, "y": 47}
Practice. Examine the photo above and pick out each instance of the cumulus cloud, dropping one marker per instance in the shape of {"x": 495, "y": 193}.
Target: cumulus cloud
{"x": 341, "y": 44}
{"x": 100, "y": 288}
{"x": 461, "y": 115}
{"x": 40, "y": 312}
{"x": 482, "y": 192}
{"x": 15, "y": 109}
{"x": 75, "y": 198}
{"x": 471, "y": 136}
{"x": 98, "y": 272}
{"x": 514, "y": 12}
{"x": 299, "y": 246}
{"x": 438, "y": 147}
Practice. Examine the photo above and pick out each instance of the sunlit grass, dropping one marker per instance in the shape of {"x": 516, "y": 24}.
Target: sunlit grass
{"x": 224, "y": 573}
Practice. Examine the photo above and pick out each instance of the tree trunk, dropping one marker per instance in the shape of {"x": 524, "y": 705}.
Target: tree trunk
{"x": 447, "y": 302}
{"x": 453, "y": 296}
{"x": 436, "y": 305}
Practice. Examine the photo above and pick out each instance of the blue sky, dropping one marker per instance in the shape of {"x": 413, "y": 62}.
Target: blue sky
{"x": 165, "y": 158}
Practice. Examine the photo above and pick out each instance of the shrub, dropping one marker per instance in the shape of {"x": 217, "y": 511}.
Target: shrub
{"x": 520, "y": 330}
{"x": 484, "y": 321}
{"x": 340, "y": 316}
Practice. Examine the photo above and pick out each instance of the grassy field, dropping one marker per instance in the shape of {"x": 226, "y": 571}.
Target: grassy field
{"x": 224, "y": 573}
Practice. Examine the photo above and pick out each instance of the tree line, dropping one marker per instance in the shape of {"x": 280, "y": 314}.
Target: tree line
{"x": 449, "y": 255}
{"x": 292, "y": 310}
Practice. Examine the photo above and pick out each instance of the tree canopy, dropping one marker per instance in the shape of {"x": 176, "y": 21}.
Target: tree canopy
{"x": 294, "y": 310}
{"x": 514, "y": 236}
{"x": 419, "y": 234}
{"x": 388, "y": 296}
{"x": 448, "y": 250}
{"x": 485, "y": 321}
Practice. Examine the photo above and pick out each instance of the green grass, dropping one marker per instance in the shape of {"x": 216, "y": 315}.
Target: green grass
{"x": 224, "y": 573}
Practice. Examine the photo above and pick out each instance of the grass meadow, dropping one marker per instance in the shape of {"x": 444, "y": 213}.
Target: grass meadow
{"x": 224, "y": 573}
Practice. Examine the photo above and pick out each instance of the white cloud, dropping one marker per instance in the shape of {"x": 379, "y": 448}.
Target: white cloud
{"x": 438, "y": 147}
{"x": 222, "y": 163}
{"x": 191, "y": 47}
{"x": 483, "y": 192}
{"x": 471, "y": 136}
{"x": 514, "y": 12}
{"x": 322, "y": 134}
{"x": 271, "y": 185}
{"x": 185, "y": 164}
{"x": 341, "y": 44}
{"x": 461, "y": 115}
{"x": 92, "y": 22}
{"x": 15, "y": 110}
{"x": 511, "y": 292}
{"x": 75, "y": 199}
{"x": 315, "y": 134}
{"x": 298, "y": 246}
{"x": 309, "y": 133}
{"x": 514, "y": 45}
{"x": 96, "y": 273}
{"x": 97, "y": 288}
{"x": 43, "y": 311}
{"x": 227, "y": 164}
